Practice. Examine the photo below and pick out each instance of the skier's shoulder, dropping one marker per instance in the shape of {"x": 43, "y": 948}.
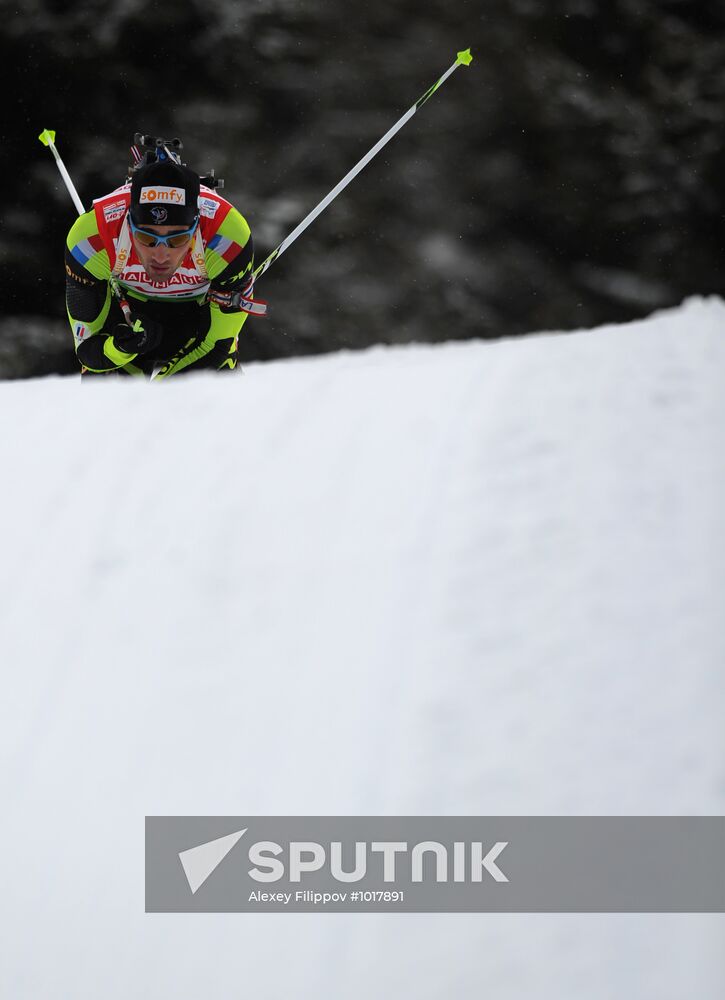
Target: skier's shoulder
{"x": 112, "y": 207}
{"x": 85, "y": 245}
{"x": 219, "y": 216}
{"x": 106, "y": 210}
{"x": 88, "y": 237}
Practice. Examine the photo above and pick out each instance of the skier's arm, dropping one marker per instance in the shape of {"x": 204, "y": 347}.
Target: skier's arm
{"x": 88, "y": 297}
{"x": 229, "y": 263}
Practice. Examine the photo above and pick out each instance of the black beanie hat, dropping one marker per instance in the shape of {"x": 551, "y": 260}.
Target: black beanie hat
{"x": 164, "y": 194}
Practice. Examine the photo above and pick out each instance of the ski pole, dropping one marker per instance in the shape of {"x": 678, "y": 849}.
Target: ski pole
{"x": 462, "y": 59}
{"x": 47, "y": 137}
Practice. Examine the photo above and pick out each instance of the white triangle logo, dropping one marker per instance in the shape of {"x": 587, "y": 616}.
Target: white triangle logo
{"x": 199, "y": 862}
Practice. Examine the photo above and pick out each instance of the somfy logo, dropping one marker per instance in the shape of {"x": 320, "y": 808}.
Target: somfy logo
{"x": 163, "y": 193}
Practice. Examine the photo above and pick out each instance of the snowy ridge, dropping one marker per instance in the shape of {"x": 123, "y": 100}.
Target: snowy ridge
{"x": 477, "y": 578}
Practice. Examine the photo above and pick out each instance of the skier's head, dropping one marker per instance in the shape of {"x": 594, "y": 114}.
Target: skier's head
{"x": 164, "y": 214}
{"x": 164, "y": 193}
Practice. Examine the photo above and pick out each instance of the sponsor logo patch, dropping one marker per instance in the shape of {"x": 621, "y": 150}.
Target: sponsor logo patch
{"x": 77, "y": 277}
{"x": 159, "y": 215}
{"x": 162, "y": 195}
{"x": 208, "y": 207}
{"x": 114, "y": 211}
{"x": 184, "y": 282}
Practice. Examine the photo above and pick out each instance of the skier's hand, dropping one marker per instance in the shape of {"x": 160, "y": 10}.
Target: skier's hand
{"x": 140, "y": 338}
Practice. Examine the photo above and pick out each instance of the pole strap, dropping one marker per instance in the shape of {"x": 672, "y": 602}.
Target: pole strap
{"x": 238, "y": 301}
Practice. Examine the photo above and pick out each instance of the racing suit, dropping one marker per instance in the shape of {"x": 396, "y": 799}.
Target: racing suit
{"x": 197, "y": 333}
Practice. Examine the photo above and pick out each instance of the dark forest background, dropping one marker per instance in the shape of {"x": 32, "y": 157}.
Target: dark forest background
{"x": 572, "y": 175}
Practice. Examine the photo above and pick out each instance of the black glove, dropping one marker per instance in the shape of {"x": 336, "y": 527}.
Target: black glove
{"x": 142, "y": 337}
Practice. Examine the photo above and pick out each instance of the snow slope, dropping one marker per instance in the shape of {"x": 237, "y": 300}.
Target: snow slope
{"x": 477, "y": 578}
